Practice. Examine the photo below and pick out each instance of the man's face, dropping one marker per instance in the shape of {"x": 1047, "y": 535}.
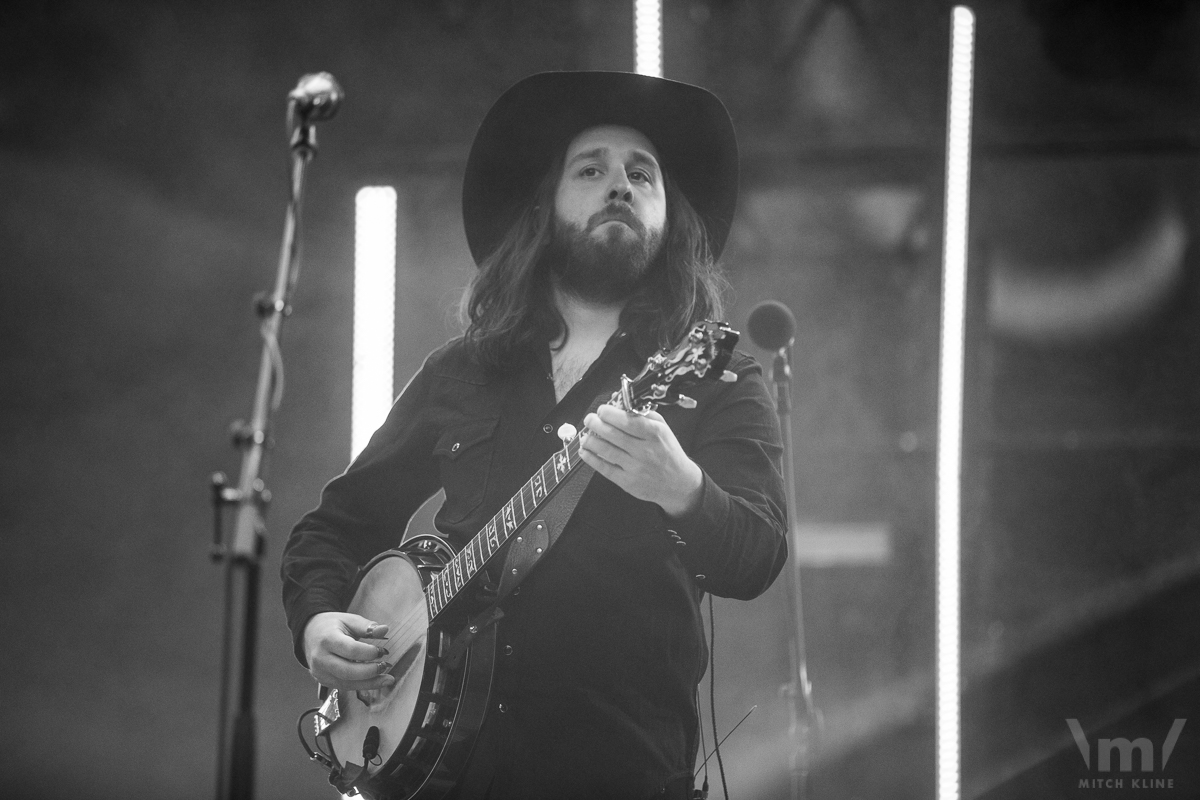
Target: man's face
{"x": 610, "y": 213}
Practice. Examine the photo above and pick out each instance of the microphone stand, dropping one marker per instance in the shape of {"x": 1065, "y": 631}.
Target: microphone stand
{"x": 804, "y": 715}
{"x": 243, "y": 554}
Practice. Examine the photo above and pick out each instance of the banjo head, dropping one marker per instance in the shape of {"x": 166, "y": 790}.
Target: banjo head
{"x": 389, "y": 592}
{"x": 419, "y": 732}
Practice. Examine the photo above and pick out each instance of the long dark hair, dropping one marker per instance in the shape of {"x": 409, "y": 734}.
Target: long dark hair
{"x": 508, "y": 304}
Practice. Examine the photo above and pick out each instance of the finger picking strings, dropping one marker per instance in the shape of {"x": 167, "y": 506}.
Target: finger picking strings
{"x": 406, "y": 631}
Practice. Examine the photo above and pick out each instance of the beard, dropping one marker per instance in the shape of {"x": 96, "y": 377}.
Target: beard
{"x": 605, "y": 268}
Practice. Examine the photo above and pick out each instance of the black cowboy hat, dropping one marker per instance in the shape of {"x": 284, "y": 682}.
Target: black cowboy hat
{"x": 534, "y": 121}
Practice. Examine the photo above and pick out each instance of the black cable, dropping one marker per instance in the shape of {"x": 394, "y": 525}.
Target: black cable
{"x": 318, "y": 755}
{"x": 712, "y": 694}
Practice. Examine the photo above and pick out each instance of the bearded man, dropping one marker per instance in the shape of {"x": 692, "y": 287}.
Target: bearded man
{"x": 595, "y": 205}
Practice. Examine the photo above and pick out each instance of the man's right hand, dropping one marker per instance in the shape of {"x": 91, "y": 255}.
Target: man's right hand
{"x": 338, "y": 659}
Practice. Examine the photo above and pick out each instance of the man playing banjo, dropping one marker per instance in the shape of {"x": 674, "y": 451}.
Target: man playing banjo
{"x": 595, "y": 205}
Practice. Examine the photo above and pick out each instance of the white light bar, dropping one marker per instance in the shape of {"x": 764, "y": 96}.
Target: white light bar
{"x": 374, "y": 311}
{"x": 950, "y": 403}
{"x": 647, "y": 37}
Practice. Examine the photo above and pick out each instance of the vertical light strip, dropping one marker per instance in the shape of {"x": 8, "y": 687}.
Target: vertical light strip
{"x": 647, "y": 37}
{"x": 950, "y": 403}
{"x": 374, "y": 311}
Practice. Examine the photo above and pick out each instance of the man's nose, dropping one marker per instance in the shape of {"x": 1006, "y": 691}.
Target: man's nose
{"x": 620, "y": 189}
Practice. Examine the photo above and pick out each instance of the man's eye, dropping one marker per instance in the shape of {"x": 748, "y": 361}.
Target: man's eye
{"x": 638, "y": 175}
{"x": 589, "y": 172}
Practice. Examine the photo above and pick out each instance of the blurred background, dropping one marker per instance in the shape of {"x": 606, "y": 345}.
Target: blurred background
{"x": 143, "y": 166}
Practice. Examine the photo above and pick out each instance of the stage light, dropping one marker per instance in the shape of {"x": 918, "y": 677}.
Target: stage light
{"x": 647, "y": 37}
{"x": 374, "y": 311}
{"x": 950, "y": 402}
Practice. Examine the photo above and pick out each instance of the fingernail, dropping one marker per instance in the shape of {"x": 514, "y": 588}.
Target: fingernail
{"x": 384, "y": 667}
{"x": 383, "y": 651}
{"x": 389, "y": 680}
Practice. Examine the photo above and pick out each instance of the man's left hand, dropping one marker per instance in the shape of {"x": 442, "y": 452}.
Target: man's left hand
{"x": 640, "y": 454}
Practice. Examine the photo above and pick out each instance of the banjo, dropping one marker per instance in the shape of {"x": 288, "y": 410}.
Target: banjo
{"x": 411, "y": 740}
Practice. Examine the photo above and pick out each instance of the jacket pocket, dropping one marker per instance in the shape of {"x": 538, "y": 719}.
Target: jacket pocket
{"x": 464, "y": 456}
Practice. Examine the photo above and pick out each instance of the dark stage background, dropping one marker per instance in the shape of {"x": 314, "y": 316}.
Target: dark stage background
{"x": 143, "y": 163}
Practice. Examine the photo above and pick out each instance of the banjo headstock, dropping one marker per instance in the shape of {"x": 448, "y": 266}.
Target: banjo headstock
{"x": 702, "y": 356}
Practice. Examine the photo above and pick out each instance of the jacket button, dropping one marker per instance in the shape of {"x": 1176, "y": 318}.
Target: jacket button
{"x": 700, "y": 577}
{"x": 503, "y": 709}
{"x": 547, "y": 428}
{"x": 508, "y": 649}
{"x": 457, "y": 445}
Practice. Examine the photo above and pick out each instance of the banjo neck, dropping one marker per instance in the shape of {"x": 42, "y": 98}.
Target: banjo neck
{"x": 466, "y": 564}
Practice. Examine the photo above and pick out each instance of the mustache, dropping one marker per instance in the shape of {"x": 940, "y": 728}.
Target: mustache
{"x": 618, "y": 212}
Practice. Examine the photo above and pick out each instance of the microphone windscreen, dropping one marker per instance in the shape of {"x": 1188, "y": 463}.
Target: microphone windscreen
{"x": 772, "y": 325}
{"x": 317, "y": 96}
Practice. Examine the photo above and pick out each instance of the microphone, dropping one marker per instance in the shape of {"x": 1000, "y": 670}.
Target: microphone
{"x": 772, "y": 325}
{"x": 370, "y": 746}
{"x": 315, "y": 98}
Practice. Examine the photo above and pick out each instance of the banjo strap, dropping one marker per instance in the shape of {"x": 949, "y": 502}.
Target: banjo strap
{"x": 527, "y": 547}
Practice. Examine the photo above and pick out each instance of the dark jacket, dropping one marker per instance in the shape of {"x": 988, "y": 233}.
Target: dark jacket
{"x": 603, "y": 647}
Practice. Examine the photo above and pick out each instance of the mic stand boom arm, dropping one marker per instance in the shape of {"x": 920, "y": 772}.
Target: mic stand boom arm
{"x": 242, "y": 556}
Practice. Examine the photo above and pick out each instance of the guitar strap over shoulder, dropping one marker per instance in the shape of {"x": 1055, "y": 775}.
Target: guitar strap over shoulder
{"x": 526, "y": 548}
{"x": 538, "y": 535}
